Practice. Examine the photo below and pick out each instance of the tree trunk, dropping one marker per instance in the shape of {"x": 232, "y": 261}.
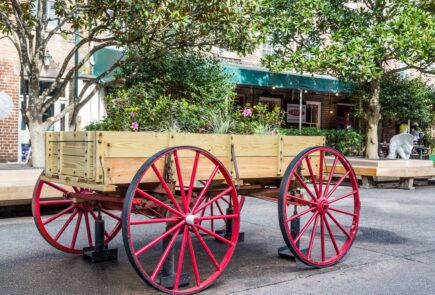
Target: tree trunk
{"x": 37, "y": 140}
{"x": 373, "y": 116}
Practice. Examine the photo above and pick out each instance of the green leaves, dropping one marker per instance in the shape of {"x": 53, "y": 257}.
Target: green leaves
{"x": 403, "y": 100}
{"x": 351, "y": 41}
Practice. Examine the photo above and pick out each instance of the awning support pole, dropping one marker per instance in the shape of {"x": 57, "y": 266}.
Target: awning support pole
{"x": 300, "y": 109}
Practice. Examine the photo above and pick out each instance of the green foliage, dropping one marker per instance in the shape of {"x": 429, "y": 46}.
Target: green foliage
{"x": 198, "y": 79}
{"x": 162, "y": 113}
{"x": 352, "y": 41}
{"x": 403, "y": 100}
{"x": 348, "y": 142}
{"x": 259, "y": 120}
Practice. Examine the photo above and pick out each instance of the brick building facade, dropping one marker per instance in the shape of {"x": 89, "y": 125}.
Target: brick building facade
{"x": 14, "y": 136}
{"x": 9, "y": 84}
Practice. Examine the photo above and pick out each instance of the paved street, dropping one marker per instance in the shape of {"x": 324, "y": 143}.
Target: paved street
{"x": 394, "y": 253}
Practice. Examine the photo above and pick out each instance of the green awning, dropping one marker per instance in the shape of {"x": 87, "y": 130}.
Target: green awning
{"x": 246, "y": 76}
{"x": 105, "y": 57}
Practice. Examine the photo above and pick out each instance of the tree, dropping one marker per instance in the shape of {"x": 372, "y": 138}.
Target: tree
{"x": 404, "y": 99}
{"x": 155, "y": 27}
{"x": 358, "y": 41}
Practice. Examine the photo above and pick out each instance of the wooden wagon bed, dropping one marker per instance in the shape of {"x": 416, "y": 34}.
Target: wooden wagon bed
{"x": 101, "y": 160}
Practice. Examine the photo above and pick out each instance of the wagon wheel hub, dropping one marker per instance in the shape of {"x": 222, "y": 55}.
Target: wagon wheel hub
{"x": 323, "y": 206}
{"x": 190, "y": 219}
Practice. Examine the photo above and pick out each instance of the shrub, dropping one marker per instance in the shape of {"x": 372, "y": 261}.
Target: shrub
{"x": 348, "y": 142}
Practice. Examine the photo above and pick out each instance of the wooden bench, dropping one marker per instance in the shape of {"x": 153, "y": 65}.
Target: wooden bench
{"x": 404, "y": 170}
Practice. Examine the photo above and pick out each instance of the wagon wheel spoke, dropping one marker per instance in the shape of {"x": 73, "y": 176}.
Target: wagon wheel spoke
{"x": 158, "y": 239}
{"x": 331, "y": 235}
{"x": 158, "y": 202}
{"x": 342, "y": 197}
{"x": 331, "y": 174}
{"x": 154, "y": 220}
{"x": 66, "y": 224}
{"x": 322, "y": 239}
{"x": 313, "y": 235}
{"x": 205, "y": 188}
{"x": 206, "y": 248}
{"x": 342, "y": 211}
{"x": 215, "y": 235}
{"x": 213, "y": 217}
{"x": 300, "y": 214}
{"x": 165, "y": 255}
{"x": 165, "y": 187}
{"x": 321, "y": 163}
{"x": 304, "y": 185}
{"x": 181, "y": 258}
{"x": 304, "y": 229}
{"x": 76, "y": 230}
{"x": 55, "y": 202}
{"x": 54, "y": 186}
{"x": 88, "y": 229}
{"x": 213, "y": 200}
{"x": 180, "y": 182}
{"x": 301, "y": 200}
{"x": 192, "y": 178}
{"x": 193, "y": 260}
{"x": 118, "y": 218}
{"x": 339, "y": 225}
{"x": 339, "y": 182}
{"x": 313, "y": 179}
{"x": 57, "y": 215}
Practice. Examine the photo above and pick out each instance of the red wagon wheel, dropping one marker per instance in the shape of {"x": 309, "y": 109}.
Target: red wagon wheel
{"x": 65, "y": 223}
{"x": 322, "y": 185}
{"x": 167, "y": 238}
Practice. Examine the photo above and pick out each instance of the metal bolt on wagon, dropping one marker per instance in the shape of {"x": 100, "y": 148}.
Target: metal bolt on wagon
{"x": 177, "y": 199}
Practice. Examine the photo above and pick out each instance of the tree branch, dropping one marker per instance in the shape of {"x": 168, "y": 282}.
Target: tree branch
{"x": 69, "y": 74}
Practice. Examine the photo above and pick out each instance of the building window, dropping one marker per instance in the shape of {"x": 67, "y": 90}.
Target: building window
{"x": 268, "y": 49}
{"x": 43, "y": 85}
{"x": 271, "y": 102}
{"x": 23, "y": 122}
{"x": 313, "y": 113}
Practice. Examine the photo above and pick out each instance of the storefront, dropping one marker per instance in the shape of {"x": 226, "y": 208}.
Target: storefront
{"x": 308, "y": 101}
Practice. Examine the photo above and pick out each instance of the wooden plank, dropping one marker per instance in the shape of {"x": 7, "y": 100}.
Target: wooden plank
{"x": 80, "y": 183}
{"x": 361, "y": 171}
{"x": 257, "y": 167}
{"x": 216, "y": 144}
{"x": 133, "y": 144}
{"x": 122, "y": 170}
{"x": 74, "y": 136}
{"x": 98, "y": 158}
{"x": 256, "y": 146}
{"x": 293, "y": 145}
{"x": 73, "y": 166}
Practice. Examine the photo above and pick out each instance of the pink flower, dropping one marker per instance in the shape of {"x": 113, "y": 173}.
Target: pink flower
{"x": 132, "y": 114}
{"x": 247, "y": 113}
{"x": 135, "y": 125}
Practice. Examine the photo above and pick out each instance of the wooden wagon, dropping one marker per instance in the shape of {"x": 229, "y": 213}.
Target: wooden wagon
{"x": 177, "y": 198}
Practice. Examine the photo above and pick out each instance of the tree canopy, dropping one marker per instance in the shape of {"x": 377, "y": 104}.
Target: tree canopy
{"x": 353, "y": 41}
{"x": 404, "y": 99}
{"x": 146, "y": 29}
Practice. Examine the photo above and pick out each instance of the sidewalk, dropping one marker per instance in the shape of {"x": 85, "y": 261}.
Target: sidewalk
{"x": 17, "y": 182}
